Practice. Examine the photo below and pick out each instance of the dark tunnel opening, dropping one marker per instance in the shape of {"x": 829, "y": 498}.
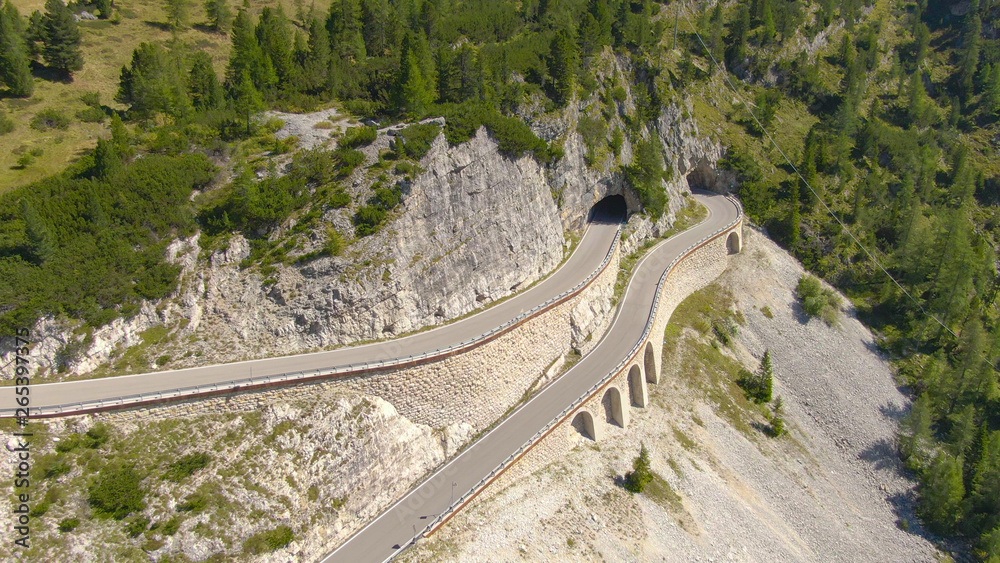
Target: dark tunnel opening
{"x": 611, "y": 209}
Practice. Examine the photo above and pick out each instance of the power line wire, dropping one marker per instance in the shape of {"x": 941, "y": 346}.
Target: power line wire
{"x": 729, "y": 83}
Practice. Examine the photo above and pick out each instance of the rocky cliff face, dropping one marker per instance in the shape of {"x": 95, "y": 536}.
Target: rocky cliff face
{"x": 475, "y": 226}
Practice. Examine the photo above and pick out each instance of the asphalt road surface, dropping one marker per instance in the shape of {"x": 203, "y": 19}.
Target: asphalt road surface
{"x": 591, "y": 251}
{"x": 391, "y": 531}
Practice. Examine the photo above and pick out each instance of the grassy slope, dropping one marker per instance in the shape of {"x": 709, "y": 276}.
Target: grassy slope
{"x": 106, "y": 48}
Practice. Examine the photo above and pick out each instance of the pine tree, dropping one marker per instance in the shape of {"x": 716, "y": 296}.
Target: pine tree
{"x": 991, "y": 94}
{"x": 178, "y": 13}
{"x": 275, "y": 39}
{"x": 641, "y": 474}
{"x": 316, "y": 68}
{"x": 203, "y": 84}
{"x": 104, "y": 8}
{"x": 378, "y": 27}
{"x": 35, "y": 35}
{"x": 106, "y": 160}
{"x": 769, "y": 30}
{"x": 40, "y": 238}
{"x": 152, "y": 83}
{"x": 716, "y": 24}
{"x": 120, "y": 136}
{"x": 415, "y": 94}
{"x": 765, "y": 378}
{"x": 247, "y": 56}
{"x": 220, "y": 17}
{"x": 62, "y": 39}
{"x": 345, "y": 28}
{"x": 736, "y": 51}
{"x": 984, "y": 498}
{"x": 969, "y": 61}
{"x": 941, "y": 493}
{"x": 246, "y": 99}
{"x": 602, "y": 14}
{"x": 15, "y": 68}
{"x": 563, "y": 62}
{"x": 794, "y": 219}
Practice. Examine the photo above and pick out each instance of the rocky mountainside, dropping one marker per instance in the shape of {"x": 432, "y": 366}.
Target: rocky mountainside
{"x": 830, "y": 490}
{"x": 475, "y": 226}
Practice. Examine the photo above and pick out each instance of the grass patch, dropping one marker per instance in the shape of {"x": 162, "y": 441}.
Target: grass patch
{"x": 685, "y": 442}
{"x": 703, "y": 364}
{"x": 268, "y": 541}
{"x": 660, "y": 491}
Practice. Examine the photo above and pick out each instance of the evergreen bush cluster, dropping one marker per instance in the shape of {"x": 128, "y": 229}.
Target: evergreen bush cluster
{"x": 818, "y": 301}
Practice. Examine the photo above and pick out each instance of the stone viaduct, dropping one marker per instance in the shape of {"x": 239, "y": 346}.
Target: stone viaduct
{"x": 629, "y": 388}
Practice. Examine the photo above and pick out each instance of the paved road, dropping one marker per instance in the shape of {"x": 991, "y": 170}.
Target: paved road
{"x": 588, "y": 256}
{"x": 382, "y": 538}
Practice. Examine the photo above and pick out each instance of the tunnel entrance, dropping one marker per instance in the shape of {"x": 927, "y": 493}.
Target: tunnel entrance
{"x": 611, "y": 209}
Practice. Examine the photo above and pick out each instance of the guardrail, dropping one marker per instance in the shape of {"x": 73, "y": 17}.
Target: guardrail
{"x": 593, "y": 391}
{"x": 338, "y": 371}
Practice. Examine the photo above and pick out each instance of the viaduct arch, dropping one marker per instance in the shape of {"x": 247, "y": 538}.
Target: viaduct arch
{"x": 643, "y": 368}
{"x": 734, "y": 242}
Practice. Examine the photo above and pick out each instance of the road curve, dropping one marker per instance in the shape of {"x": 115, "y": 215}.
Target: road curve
{"x": 392, "y": 530}
{"x": 585, "y": 260}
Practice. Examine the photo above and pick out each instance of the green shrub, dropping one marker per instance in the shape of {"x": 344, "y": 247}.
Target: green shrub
{"x": 617, "y": 142}
{"x": 117, "y": 491}
{"x": 725, "y": 330}
{"x": 268, "y": 541}
{"x": 513, "y": 136}
{"x": 367, "y": 219}
{"x": 95, "y": 238}
{"x": 49, "y": 119}
{"x": 136, "y": 526}
{"x": 347, "y": 160}
{"x": 91, "y": 115}
{"x": 340, "y": 198}
{"x": 25, "y": 160}
{"x": 52, "y": 467}
{"x": 594, "y": 131}
{"x": 415, "y": 140}
{"x": 6, "y": 124}
{"x": 93, "y": 439}
{"x": 187, "y": 466}
{"x": 69, "y": 524}
{"x": 91, "y": 99}
{"x": 818, "y": 301}
{"x": 334, "y": 242}
{"x": 195, "y": 502}
{"x": 172, "y": 526}
{"x": 356, "y": 137}
{"x": 387, "y": 198}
